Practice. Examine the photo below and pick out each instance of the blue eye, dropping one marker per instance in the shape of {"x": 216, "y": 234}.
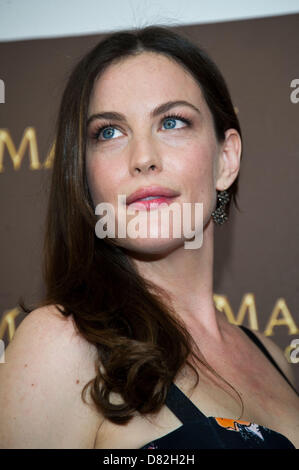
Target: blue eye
{"x": 171, "y": 121}
{"x": 107, "y": 132}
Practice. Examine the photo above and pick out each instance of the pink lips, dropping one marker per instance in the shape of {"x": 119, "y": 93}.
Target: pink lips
{"x": 151, "y": 203}
{"x": 164, "y": 195}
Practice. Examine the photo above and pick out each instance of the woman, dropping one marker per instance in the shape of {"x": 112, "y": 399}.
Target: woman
{"x": 146, "y": 115}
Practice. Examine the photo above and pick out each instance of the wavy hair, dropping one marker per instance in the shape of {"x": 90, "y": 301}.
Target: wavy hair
{"x": 141, "y": 342}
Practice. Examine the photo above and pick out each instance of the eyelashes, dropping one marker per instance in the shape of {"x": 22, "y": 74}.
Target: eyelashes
{"x": 176, "y": 116}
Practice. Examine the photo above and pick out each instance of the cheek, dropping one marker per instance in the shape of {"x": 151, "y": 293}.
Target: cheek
{"x": 196, "y": 165}
{"x": 100, "y": 180}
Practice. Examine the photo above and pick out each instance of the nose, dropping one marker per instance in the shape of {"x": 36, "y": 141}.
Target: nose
{"x": 144, "y": 157}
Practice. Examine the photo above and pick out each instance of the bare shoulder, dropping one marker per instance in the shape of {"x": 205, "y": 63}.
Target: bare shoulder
{"x": 278, "y": 355}
{"x": 47, "y": 363}
{"x": 47, "y": 330}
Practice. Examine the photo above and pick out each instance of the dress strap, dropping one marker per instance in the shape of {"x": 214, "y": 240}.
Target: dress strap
{"x": 182, "y": 406}
{"x": 256, "y": 340}
{"x": 190, "y": 415}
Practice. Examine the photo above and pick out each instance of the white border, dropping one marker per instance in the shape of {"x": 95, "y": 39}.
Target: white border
{"x": 32, "y": 19}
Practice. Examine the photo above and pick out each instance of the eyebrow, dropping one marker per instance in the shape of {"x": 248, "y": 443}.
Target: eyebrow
{"x": 162, "y": 108}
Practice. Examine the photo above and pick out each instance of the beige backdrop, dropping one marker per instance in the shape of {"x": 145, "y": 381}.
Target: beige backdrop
{"x": 256, "y": 253}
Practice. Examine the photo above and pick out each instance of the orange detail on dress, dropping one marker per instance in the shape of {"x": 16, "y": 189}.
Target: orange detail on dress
{"x": 231, "y": 423}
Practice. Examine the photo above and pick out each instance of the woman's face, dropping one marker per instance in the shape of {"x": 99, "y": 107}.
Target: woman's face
{"x": 141, "y": 149}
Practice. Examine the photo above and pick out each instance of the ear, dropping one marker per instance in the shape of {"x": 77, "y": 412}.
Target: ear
{"x": 228, "y": 164}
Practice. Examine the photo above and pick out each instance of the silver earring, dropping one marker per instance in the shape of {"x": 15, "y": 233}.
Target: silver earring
{"x": 219, "y": 215}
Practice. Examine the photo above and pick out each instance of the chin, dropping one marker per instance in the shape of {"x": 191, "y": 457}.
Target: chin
{"x": 150, "y": 246}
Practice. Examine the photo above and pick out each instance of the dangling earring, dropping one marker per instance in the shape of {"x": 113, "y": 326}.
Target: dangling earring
{"x": 219, "y": 215}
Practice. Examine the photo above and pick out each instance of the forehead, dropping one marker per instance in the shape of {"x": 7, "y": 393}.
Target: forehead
{"x": 145, "y": 80}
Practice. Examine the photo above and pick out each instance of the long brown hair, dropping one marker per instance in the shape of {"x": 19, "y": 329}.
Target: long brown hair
{"x": 140, "y": 340}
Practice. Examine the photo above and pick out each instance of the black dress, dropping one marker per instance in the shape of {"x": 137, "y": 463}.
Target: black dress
{"x": 200, "y": 432}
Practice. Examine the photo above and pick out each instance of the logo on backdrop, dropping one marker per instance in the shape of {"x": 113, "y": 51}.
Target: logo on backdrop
{"x": 2, "y": 91}
{"x": 294, "y": 356}
{"x": 294, "y": 96}
{"x": 28, "y": 140}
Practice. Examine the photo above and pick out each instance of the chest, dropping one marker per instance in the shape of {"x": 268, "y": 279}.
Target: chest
{"x": 267, "y": 399}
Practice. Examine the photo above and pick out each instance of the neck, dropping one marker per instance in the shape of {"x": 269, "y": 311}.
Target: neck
{"x": 187, "y": 276}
